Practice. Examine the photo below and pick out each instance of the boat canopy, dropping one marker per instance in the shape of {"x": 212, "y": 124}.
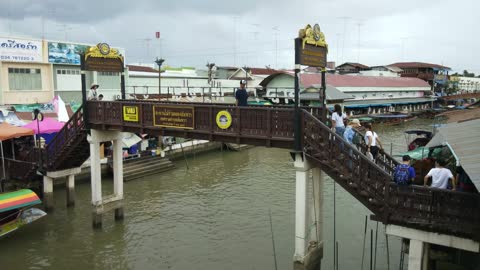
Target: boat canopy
{"x": 418, "y": 132}
{"x": 18, "y": 199}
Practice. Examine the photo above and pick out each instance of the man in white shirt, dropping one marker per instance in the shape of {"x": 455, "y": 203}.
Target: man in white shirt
{"x": 440, "y": 176}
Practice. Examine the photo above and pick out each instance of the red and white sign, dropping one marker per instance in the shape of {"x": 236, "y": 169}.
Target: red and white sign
{"x": 157, "y": 34}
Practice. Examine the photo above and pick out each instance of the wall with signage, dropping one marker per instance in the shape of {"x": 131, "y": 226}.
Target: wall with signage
{"x": 65, "y": 53}
{"x": 20, "y": 50}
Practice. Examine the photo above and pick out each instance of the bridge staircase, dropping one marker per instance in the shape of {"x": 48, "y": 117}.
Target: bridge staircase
{"x": 68, "y": 149}
{"x": 371, "y": 183}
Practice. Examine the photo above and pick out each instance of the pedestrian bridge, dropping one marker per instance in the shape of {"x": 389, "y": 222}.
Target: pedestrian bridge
{"x": 370, "y": 182}
{"x": 418, "y": 207}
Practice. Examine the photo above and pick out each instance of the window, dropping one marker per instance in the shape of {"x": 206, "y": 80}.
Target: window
{"x": 108, "y": 73}
{"x": 25, "y": 78}
{"x": 68, "y": 72}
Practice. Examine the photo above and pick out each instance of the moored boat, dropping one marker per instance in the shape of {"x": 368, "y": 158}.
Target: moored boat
{"x": 16, "y": 211}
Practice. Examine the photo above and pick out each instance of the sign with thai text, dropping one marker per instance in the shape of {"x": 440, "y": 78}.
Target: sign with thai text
{"x": 311, "y": 47}
{"x": 103, "y": 58}
{"x": 174, "y": 117}
{"x": 20, "y": 50}
{"x": 313, "y": 56}
{"x": 130, "y": 113}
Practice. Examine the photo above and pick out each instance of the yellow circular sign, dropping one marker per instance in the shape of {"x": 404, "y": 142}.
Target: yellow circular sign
{"x": 224, "y": 119}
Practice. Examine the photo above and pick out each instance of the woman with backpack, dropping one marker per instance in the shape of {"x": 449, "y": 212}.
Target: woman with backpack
{"x": 372, "y": 141}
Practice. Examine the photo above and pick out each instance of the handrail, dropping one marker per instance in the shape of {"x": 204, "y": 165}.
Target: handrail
{"x": 64, "y": 136}
{"x": 342, "y": 140}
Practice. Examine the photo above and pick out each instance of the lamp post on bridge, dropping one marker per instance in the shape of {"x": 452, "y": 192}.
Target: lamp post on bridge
{"x": 37, "y": 115}
{"x": 210, "y": 67}
{"x": 159, "y": 62}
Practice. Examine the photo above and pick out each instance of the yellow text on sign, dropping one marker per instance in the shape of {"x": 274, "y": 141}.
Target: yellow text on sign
{"x": 130, "y": 113}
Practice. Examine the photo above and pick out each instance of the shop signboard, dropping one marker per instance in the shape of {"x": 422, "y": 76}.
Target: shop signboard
{"x": 130, "y": 113}
{"x": 20, "y": 50}
{"x": 174, "y": 117}
{"x": 65, "y": 53}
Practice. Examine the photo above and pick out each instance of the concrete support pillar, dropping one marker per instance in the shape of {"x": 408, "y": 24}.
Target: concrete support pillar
{"x": 317, "y": 178}
{"x": 118, "y": 175}
{"x": 308, "y": 244}
{"x": 95, "y": 173}
{"x": 301, "y": 177}
{"x": 418, "y": 255}
{"x": 48, "y": 193}
{"x": 71, "y": 190}
{"x": 102, "y": 204}
{"x": 96, "y": 183}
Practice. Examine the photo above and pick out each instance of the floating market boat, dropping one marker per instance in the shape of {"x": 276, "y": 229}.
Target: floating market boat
{"x": 16, "y": 211}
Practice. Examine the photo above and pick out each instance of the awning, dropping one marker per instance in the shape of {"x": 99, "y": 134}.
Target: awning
{"x": 48, "y": 125}
{"x": 8, "y": 132}
{"x": 130, "y": 139}
{"x": 462, "y": 139}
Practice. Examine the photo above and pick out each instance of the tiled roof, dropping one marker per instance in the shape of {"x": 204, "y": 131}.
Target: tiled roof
{"x": 141, "y": 69}
{"x": 361, "y": 81}
{"x": 262, "y": 71}
{"x": 357, "y": 65}
{"x": 417, "y": 65}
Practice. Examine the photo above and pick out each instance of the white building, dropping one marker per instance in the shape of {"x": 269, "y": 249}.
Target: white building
{"x": 385, "y": 93}
{"x": 33, "y": 71}
{"x": 468, "y": 84}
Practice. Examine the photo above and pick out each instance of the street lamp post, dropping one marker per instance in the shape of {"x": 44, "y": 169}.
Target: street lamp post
{"x": 159, "y": 63}
{"x": 210, "y": 77}
{"x": 37, "y": 115}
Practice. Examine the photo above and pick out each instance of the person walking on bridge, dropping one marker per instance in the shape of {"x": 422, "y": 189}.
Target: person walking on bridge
{"x": 241, "y": 94}
{"x": 440, "y": 176}
{"x": 337, "y": 120}
{"x": 372, "y": 141}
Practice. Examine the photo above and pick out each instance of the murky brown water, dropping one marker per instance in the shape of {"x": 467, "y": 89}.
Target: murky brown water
{"x": 211, "y": 216}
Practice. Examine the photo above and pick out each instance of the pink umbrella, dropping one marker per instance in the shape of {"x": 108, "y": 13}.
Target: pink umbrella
{"x": 47, "y": 126}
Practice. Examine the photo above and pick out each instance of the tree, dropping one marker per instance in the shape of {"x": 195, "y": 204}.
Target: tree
{"x": 468, "y": 74}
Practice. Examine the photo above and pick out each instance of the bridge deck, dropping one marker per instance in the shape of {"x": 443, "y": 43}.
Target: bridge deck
{"x": 370, "y": 182}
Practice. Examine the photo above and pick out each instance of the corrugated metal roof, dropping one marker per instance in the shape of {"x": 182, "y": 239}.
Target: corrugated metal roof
{"x": 417, "y": 65}
{"x": 332, "y": 93}
{"x": 464, "y": 139}
{"x": 398, "y": 101}
{"x": 361, "y": 81}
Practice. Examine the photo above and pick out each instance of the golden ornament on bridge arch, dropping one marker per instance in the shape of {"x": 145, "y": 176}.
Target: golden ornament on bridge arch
{"x": 312, "y": 36}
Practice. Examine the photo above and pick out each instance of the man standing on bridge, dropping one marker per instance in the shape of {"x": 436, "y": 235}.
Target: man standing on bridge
{"x": 241, "y": 94}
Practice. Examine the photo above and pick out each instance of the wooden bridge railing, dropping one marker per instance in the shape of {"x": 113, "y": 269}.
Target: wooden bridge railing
{"x": 370, "y": 182}
{"x": 257, "y": 125}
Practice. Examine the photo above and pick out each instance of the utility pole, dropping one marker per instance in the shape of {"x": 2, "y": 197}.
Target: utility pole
{"x": 359, "y": 24}
{"x": 235, "y": 18}
{"x": 275, "y": 28}
{"x": 159, "y": 63}
{"x": 344, "y": 36}
{"x": 403, "y": 47}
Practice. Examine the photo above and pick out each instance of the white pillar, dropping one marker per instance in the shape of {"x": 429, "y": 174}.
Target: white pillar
{"x": 415, "y": 255}
{"x": 47, "y": 184}
{"x": 95, "y": 172}
{"x": 300, "y": 207}
{"x": 48, "y": 192}
{"x": 71, "y": 190}
{"x": 117, "y": 169}
{"x": 317, "y": 178}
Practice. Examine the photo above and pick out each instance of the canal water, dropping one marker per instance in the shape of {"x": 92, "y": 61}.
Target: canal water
{"x": 212, "y": 215}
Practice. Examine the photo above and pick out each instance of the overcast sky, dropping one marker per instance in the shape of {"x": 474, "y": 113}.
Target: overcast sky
{"x": 258, "y": 33}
